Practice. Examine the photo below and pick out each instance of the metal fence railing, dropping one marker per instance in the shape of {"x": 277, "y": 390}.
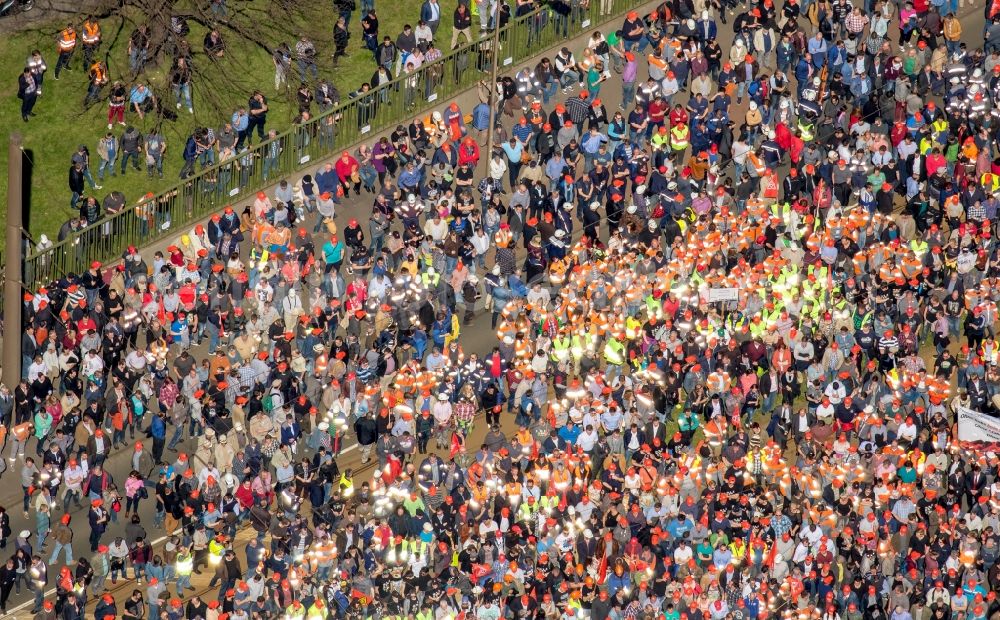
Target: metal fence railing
{"x": 155, "y": 216}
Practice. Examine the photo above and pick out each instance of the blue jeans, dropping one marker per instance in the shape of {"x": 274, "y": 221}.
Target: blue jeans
{"x": 126, "y": 156}
{"x": 569, "y": 78}
{"x": 628, "y": 95}
{"x": 108, "y": 165}
{"x": 58, "y": 548}
{"x": 638, "y": 46}
{"x": 548, "y": 90}
{"x": 179, "y": 430}
{"x": 182, "y": 95}
{"x": 89, "y": 178}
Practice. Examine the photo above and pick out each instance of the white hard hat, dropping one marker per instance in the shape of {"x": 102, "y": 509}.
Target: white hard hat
{"x": 753, "y": 105}
{"x": 560, "y": 233}
{"x": 631, "y": 209}
{"x": 410, "y": 198}
{"x": 640, "y": 189}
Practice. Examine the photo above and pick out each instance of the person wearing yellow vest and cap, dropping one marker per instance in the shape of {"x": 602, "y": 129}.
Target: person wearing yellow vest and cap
{"x": 680, "y": 137}
{"x": 91, "y": 36}
{"x": 295, "y": 610}
{"x": 216, "y": 547}
{"x": 317, "y": 611}
{"x": 990, "y": 182}
{"x": 66, "y": 44}
{"x": 614, "y": 355}
{"x": 184, "y": 566}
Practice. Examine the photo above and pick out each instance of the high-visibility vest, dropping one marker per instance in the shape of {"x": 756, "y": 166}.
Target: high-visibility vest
{"x": 679, "y": 137}
{"x": 67, "y": 40}
{"x": 757, "y": 163}
{"x": 992, "y": 183}
{"x": 91, "y": 33}
{"x": 215, "y": 551}
{"x": 315, "y": 613}
{"x": 805, "y": 131}
{"x": 346, "y": 485}
{"x": 614, "y": 352}
{"x": 97, "y": 73}
{"x": 295, "y": 611}
{"x": 560, "y": 348}
{"x": 184, "y": 564}
{"x": 430, "y": 280}
{"x": 770, "y": 187}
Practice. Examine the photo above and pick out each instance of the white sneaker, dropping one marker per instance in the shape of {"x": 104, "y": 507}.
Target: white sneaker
{"x": 190, "y": 110}
{"x": 178, "y": 106}
{"x": 98, "y": 187}
{"x": 110, "y": 125}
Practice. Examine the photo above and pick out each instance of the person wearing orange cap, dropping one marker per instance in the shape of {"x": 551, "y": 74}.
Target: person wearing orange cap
{"x": 98, "y": 519}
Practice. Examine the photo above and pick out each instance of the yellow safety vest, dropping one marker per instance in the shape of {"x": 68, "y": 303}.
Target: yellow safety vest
{"x": 215, "y": 551}
{"x": 614, "y": 352}
{"x": 184, "y": 564}
{"x": 315, "y": 613}
{"x": 679, "y": 137}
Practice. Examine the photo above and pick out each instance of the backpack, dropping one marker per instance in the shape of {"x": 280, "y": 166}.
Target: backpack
{"x": 268, "y": 403}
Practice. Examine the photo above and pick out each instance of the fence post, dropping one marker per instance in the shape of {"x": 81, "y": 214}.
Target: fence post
{"x": 12, "y": 283}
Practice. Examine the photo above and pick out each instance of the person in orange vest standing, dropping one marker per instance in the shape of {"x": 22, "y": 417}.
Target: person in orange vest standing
{"x": 91, "y": 40}
{"x": 67, "y": 44}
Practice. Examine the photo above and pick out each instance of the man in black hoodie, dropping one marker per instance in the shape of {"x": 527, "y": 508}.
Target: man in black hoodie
{"x": 76, "y": 184}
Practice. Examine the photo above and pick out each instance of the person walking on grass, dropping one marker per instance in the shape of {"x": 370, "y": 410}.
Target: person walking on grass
{"x": 27, "y": 92}
{"x": 107, "y": 151}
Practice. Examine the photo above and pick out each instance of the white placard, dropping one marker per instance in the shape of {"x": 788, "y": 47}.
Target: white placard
{"x": 304, "y": 159}
{"x": 723, "y": 294}
{"x": 977, "y": 430}
{"x": 584, "y": 23}
{"x": 234, "y": 191}
{"x": 366, "y": 129}
{"x": 508, "y": 61}
{"x": 432, "y": 97}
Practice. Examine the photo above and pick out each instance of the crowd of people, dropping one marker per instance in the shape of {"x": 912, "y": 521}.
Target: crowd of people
{"x": 727, "y": 345}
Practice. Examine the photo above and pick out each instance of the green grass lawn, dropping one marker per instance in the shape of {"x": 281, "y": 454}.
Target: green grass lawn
{"x": 62, "y": 124}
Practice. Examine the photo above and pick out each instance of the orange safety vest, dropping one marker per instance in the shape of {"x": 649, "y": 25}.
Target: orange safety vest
{"x": 770, "y": 189}
{"x": 91, "y": 33}
{"x": 67, "y": 40}
{"x": 97, "y": 73}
